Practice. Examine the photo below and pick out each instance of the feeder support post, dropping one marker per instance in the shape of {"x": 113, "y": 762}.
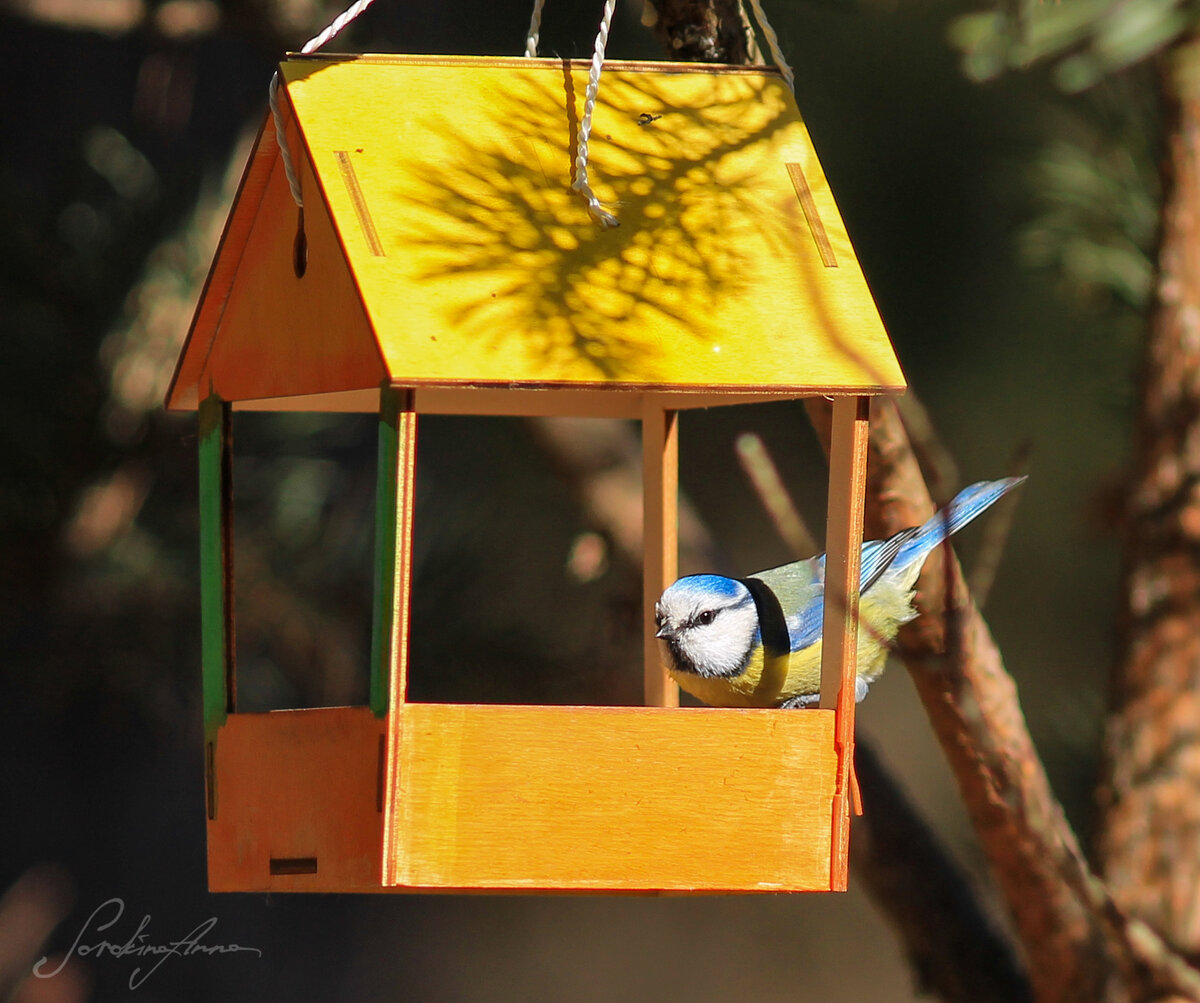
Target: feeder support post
{"x": 394, "y": 498}
{"x": 216, "y": 563}
{"x": 839, "y": 648}
{"x": 660, "y": 543}
{"x": 217, "y": 651}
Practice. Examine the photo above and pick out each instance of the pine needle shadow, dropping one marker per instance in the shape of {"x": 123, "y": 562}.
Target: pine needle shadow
{"x": 495, "y": 213}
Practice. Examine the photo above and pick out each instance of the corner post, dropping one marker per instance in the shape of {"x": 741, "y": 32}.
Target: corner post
{"x": 217, "y": 651}
{"x": 395, "y": 472}
{"x": 839, "y": 654}
{"x": 394, "y": 504}
{"x": 660, "y": 536}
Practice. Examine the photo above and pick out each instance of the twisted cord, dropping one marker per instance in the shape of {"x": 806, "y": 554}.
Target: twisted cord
{"x": 535, "y": 28}
{"x": 289, "y": 169}
{"x": 314, "y": 43}
{"x": 599, "y": 213}
{"x": 752, "y": 49}
{"x": 773, "y": 43}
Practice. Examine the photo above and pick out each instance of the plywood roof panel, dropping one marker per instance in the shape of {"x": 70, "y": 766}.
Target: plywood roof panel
{"x": 448, "y": 183}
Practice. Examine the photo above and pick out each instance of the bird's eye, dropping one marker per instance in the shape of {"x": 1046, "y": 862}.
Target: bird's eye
{"x": 706, "y": 617}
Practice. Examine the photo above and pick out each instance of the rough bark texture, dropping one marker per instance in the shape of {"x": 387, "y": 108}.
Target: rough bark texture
{"x": 1077, "y": 943}
{"x": 1150, "y": 813}
{"x": 708, "y": 31}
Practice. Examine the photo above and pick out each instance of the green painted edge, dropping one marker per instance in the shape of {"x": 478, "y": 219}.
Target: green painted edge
{"x": 213, "y": 415}
{"x": 385, "y": 548}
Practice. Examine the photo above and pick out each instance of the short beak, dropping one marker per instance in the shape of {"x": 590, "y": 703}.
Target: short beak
{"x": 666, "y": 633}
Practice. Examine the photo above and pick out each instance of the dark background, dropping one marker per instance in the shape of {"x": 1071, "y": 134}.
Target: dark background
{"x": 122, "y": 136}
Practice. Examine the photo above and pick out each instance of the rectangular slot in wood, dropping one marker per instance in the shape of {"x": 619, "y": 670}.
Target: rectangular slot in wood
{"x": 815, "y": 226}
{"x": 295, "y": 788}
{"x": 359, "y": 201}
{"x": 293, "y": 865}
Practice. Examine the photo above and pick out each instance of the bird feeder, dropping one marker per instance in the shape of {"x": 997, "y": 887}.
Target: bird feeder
{"x": 442, "y": 264}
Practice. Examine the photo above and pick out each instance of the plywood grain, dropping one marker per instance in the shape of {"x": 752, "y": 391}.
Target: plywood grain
{"x": 396, "y": 472}
{"x": 278, "y": 333}
{"x": 292, "y": 786}
{"x": 660, "y": 545}
{"x": 627, "y": 799}
{"x": 447, "y": 249}
{"x": 839, "y": 656}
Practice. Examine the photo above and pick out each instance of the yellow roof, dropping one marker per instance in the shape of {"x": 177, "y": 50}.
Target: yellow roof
{"x": 446, "y": 249}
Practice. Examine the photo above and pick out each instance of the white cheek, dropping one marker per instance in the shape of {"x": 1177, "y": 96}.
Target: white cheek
{"x": 723, "y": 646}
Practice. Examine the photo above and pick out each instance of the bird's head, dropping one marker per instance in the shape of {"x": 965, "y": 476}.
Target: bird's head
{"x": 707, "y": 625}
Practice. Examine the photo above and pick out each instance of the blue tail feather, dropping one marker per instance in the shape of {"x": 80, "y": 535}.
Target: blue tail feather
{"x": 970, "y": 502}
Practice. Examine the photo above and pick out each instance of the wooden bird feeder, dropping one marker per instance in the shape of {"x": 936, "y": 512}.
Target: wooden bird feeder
{"x": 443, "y": 265}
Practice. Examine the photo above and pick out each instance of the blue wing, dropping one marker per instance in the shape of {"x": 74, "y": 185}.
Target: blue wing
{"x": 800, "y": 587}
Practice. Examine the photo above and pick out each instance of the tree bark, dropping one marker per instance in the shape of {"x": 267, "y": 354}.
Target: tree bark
{"x": 1078, "y": 944}
{"x": 1148, "y": 840}
{"x": 708, "y": 31}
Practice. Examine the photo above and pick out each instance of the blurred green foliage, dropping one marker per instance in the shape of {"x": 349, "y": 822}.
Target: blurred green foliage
{"x": 1098, "y": 194}
{"x": 1085, "y": 41}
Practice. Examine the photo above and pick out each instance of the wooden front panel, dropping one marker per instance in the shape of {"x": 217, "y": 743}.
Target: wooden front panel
{"x": 282, "y": 332}
{"x": 621, "y": 798}
{"x": 297, "y": 799}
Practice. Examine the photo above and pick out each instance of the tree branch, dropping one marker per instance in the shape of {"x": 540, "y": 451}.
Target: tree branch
{"x": 1077, "y": 942}
{"x": 1150, "y": 816}
{"x": 698, "y": 30}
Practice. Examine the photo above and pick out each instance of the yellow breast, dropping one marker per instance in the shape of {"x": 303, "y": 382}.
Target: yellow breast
{"x": 769, "y": 682}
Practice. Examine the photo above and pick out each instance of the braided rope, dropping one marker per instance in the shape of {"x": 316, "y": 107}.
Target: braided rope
{"x": 580, "y": 184}
{"x": 314, "y": 43}
{"x": 599, "y": 213}
{"x": 773, "y": 43}
{"x": 752, "y": 49}
{"x": 535, "y": 28}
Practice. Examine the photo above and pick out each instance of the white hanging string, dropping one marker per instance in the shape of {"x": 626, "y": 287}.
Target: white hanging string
{"x": 752, "y": 49}
{"x": 535, "y": 28}
{"x": 314, "y": 43}
{"x": 599, "y": 213}
{"x": 773, "y": 44}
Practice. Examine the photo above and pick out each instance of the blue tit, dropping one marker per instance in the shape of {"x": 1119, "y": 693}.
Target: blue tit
{"x": 756, "y": 641}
